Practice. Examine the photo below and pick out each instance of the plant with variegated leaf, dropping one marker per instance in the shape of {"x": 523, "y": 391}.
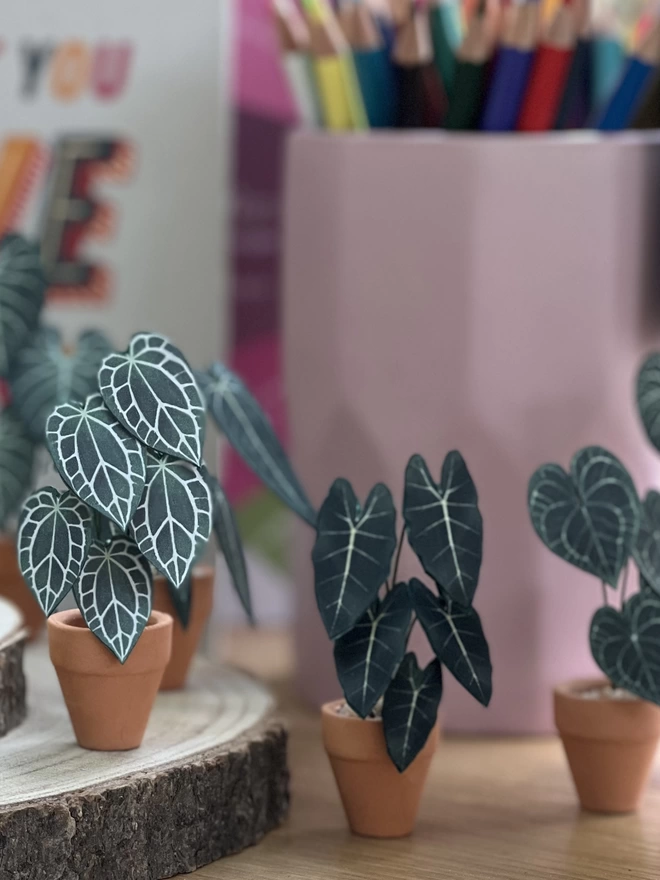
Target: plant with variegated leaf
{"x": 369, "y": 615}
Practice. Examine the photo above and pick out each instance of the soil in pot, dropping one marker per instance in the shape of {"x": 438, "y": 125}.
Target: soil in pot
{"x": 378, "y": 800}
{"x": 109, "y": 703}
{"x": 14, "y": 588}
{"x": 185, "y": 641}
{"x": 610, "y": 739}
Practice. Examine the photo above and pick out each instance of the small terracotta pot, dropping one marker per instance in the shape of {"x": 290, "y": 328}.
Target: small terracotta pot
{"x": 378, "y": 800}
{"x": 610, "y": 745}
{"x": 14, "y": 588}
{"x": 109, "y": 703}
{"x": 185, "y": 641}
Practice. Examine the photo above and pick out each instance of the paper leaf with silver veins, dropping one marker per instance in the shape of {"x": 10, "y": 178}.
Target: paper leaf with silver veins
{"x": 22, "y": 292}
{"x": 352, "y": 554}
{"x": 444, "y": 525}
{"x": 54, "y": 534}
{"x": 153, "y": 393}
{"x": 243, "y": 422}
{"x": 648, "y": 398}
{"x": 16, "y": 463}
{"x": 647, "y": 546}
{"x": 626, "y": 645}
{"x": 44, "y": 375}
{"x": 590, "y": 516}
{"x": 457, "y": 638}
{"x": 172, "y": 523}
{"x": 368, "y": 655}
{"x": 410, "y": 709}
{"x": 97, "y": 458}
{"x": 114, "y": 594}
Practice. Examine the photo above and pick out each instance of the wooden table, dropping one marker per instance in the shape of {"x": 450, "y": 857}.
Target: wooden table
{"x": 493, "y": 810}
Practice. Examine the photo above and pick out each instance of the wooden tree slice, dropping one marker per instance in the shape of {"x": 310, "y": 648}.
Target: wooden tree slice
{"x": 12, "y": 680}
{"x": 210, "y": 779}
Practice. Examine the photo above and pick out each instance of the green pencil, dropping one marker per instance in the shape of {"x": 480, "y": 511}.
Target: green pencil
{"x": 446, "y": 33}
{"x": 469, "y": 90}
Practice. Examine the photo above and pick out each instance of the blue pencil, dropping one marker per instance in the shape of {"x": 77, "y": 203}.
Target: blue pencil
{"x": 631, "y": 90}
{"x": 608, "y": 60}
{"x": 512, "y": 68}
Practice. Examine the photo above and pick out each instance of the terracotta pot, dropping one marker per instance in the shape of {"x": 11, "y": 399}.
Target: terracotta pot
{"x": 378, "y": 800}
{"x": 109, "y": 703}
{"x": 610, "y": 745}
{"x": 14, "y": 588}
{"x": 185, "y": 641}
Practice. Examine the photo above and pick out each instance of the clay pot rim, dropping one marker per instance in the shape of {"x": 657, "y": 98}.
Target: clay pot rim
{"x": 61, "y": 621}
{"x": 575, "y": 687}
{"x": 331, "y": 710}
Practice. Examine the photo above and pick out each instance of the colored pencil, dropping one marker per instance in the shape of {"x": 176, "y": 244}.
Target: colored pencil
{"x": 513, "y": 65}
{"x": 647, "y": 115}
{"x": 466, "y": 103}
{"x": 576, "y": 107}
{"x": 608, "y": 60}
{"x": 631, "y": 91}
{"x": 373, "y": 64}
{"x": 549, "y": 73}
{"x": 422, "y": 101}
{"x": 447, "y": 35}
{"x": 402, "y": 11}
{"x": 295, "y": 45}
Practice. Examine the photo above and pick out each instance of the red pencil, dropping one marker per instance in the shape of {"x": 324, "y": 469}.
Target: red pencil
{"x": 549, "y": 75}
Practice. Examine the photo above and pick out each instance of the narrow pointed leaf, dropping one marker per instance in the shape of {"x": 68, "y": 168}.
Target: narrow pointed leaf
{"x": 114, "y": 594}
{"x": 45, "y": 375}
{"x": 22, "y": 292}
{"x": 410, "y": 709}
{"x": 153, "y": 393}
{"x": 648, "y": 398}
{"x": 626, "y": 645}
{"x": 444, "y": 525}
{"x": 228, "y": 536}
{"x": 352, "y": 554}
{"x": 172, "y": 523}
{"x": 241, "y": 419}
{"x": 457, "y": 638}
{"x": 590, "y": 516}
{"x": 97, "y": 458}
{"x": 54, "y": 535}
{"x": 181, "y": 598}
{"x": 16, "y": 463}
{"x": 647, "y": 546}
{"x": 368, "y": 655}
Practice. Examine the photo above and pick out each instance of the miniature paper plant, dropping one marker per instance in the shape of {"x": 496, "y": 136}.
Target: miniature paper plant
{"x": 370, "y": 616}
{"x": 22, "y": 292}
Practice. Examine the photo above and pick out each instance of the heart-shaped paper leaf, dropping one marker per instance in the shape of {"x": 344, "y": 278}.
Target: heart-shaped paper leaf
{"x": 457, "y": 638}
{"x": 45, "y": 375}
{"x": 368, "y": 656}
{"x": 647, "y": 546}
{"x": 626, "y": 645}
{"x": 114, "y": 594}
{"x": 444, "y": 525}
{"x": 22, "y": 292}
{"x": 54, "y": 534}
{"x": 153, "y": 393}
{"x": 16, "y": 463}
{"x": 172, "y": 523}
{"x": 590, "y": 516}
{"x": 181, "y": 598}
{"x": 97, "y": 458}
{"x": 241, "y": 419}
{"x": 226, "y": 531}
{"x": 648, "y": 398}
{"x": 352, "y": 554}
{"x": 410, "y": 709}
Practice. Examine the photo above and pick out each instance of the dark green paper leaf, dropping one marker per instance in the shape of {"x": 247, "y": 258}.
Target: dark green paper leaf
{"x": 368, "y": 655}
{"x": 444, "y": 525}
{"x": 54, "y": 535}
{"x": 241, "y": 419}
{"x": 410, "y": 709}
{"x": 457, "y": 638}
{"x": 181, "y": 599}
{"x": 352, "y": 554}
{"x": 104, "y": 529}
{"x": 590, "y": 516}
{"x": 114, "y": 594}
{"x": 648, "y": 398}
{"x": 22, "y": 292}
{"x": 153, "y": 393}
{"x": 647, "y": 546}
{"x": 626, "y": 645}
{"x": 172, "y": 522}
{"x": 97, "y": 458}
{"x": 16, "y": 463}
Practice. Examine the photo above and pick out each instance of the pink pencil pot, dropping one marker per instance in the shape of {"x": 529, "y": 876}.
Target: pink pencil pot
{"x": 490, "y": 294}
